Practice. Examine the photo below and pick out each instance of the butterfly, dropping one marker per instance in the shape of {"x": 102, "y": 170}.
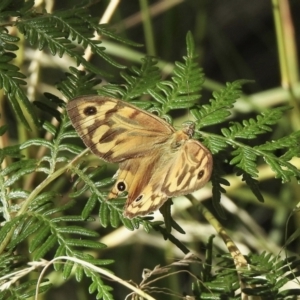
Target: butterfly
{"x": 156, "y": 162}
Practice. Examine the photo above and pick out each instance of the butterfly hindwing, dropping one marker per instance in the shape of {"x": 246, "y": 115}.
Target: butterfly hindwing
{"x": 189, "y": 170}
{"x": 144, "y": 194}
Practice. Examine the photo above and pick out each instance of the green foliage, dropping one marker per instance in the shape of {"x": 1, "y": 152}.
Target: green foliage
{"x": 266, "y": 277}
{"x": 184, "y": 89}
{"x": 58, "y": 32}
{"x": 218, "y": 108}
{"x": 23, "y": 291}
{"x": 221, "y": 280}
{"x": 33, "y": 185}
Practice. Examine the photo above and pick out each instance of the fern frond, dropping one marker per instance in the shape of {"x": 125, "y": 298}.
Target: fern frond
{"x": 245, "y": 159}
{"x": 215, "y": 143}
{"x": 137, "y": 81}
{"x": 269, "y": 274}
{"x": 252, "y": 183}
{"x": 58, "y": 147}
{"x": 11, "y": 81}
{"x": 184, "y": 89}
{"x": 9, "y": 151}
{"x": 7, "y": 41}
{"x": 219, "y": 108}
{"x": 289, "y": 147}
{"x": 24, "y": 290}
{"x": 78, "y": 83}
{"x": 58, "y": 30}
{"x": 290, "y": 143}
{"x": 251, "y": 128}
{"x": 12, "y": 8}
{"x": 142, "y": 79}
{"x": 49, "y": 232}
{"x": 10, "y": 225}
{"x": 111, "y": 212}
{"x": 17, "y": 170}
{"x": 282, "y": 168}
{"x": 266, "y": 276}
{"x": 217, "y": 188}
{"x": 103, "y": 291}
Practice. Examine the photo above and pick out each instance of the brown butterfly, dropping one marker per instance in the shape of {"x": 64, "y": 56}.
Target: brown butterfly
{"x": 156, "y": 162}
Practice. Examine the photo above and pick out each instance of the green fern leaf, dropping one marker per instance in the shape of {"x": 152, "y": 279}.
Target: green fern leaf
{"x": 142, "y": 79}
{"x": 58, "y": 29}
{"x": 17, "y": 194}
{"x": 251, "y": 128}
{"x": 84, "y": 243}
{"x": 42, "y": 233}
{"x": 219, "y": 108}
{"x": 10, "y": 225}
{"x": 68, "y": 266}
{"x": 77, "y": 230}
{"x": 217, "y": 188}
{"x": 60, "y": 251}
{"x": 98, "y": 285}
{"x": 215, "y": 143}
{"x": 79, "y": 273}
{"x": 104, "y": 30}
{"x": 48, "y": 109}
{"x": 104, "y": 214}
{"x": 89, "y": 258}
{"x": 168, "y": 236}
{"x": 6, "y": 41}
{"x": 291, "y": 143}
{"x": 184, "y": 89}
{"x": 11, "y": 80}
{"x": 37, "y": 142}
{"x": 114, "y": 217}
{"x": 24, "y": 290}
{"x": 127, "y": 223}
{"x": 77, "y": 83}
{"x": 252, "y": 183}
{"x": 91, "y": 203}
{"x": 45, "y": 247}
{"x": 282, "y": 169}
{"x": 138, "y": 80}
{"x": 269, "y": 274}
{"x": 24, "y": 230}
{"x": 245, "y": 159}
{"x": 17, "y": 170}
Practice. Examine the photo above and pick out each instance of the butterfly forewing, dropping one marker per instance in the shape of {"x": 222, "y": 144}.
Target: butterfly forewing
{"x": 116, "y": 130}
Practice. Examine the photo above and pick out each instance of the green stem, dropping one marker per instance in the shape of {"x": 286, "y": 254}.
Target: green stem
{"x": 287, "y": 54}
{"x": 148, "y": 30}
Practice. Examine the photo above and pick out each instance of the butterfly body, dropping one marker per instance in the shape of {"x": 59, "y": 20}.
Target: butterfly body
{"x": 156, "y": 162}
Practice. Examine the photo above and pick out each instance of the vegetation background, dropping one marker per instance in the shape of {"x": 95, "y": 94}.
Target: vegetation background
{"x": 255, "y": 40}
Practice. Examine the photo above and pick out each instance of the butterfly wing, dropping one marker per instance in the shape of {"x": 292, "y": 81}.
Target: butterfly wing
{"x": 155, "y": 162}
{"x": 189, "y": 170}
{"x": 115, "y": 130}
{"x": 150, "y": 181}
{"x": 138, "y": 177}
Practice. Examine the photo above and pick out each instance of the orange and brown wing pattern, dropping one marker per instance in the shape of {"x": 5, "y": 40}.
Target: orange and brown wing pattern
{"x": 155, "y": 161}
{"x": 189, "y": 170}
{"x": 150, "y": 181}
{"x": 136, "y": 177}
{"x": 115, "y": 130}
